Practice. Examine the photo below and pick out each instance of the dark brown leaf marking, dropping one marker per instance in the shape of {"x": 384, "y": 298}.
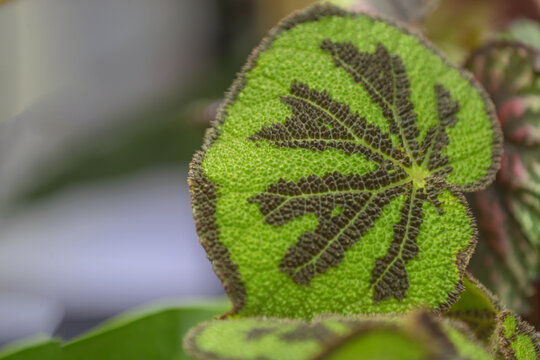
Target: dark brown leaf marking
{"x": 389, "y": 277}
{"x": 347, "y": 206}
{"x": 302, "y": 332}
{"x": 258, "y": 333}
{"x": 436, "y": 139}
{"x": 384, "y": 77}
{"x": 305, "y": 332}
{"x": 325, "y": 247}
{"x": 320, "y": 123}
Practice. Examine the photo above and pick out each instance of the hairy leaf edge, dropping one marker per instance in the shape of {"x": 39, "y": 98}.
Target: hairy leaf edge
{"x": 493, "y": 300}
{"x": 522, "y": 328}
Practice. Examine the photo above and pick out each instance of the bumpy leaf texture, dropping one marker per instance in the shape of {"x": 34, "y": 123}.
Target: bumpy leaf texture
{"x": 416, "y": 337}
{"x": 517, "y": 340}
{"x": 332, "y": 180}
{"x": 508, "y": 212}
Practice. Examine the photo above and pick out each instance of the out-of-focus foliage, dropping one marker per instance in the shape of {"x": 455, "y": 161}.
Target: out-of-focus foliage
{"x": 165, "y": 141}
{"x": 41, "y": 348}
{"x": 417, "y": 336}
{"x": 508, "y": 212}
{"x": 165, "y": 136}
{"x": 525, "y": 31}
{"x": 458, "y": 27}
{"x": 150, "y": 333}
{"x": 153, "y": 335}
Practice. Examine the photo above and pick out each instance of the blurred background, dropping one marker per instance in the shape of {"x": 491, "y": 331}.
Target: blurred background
{"x": 102, "y": 104}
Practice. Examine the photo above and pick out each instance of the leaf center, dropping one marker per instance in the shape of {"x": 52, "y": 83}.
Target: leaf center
{"x": 418, "y": 175}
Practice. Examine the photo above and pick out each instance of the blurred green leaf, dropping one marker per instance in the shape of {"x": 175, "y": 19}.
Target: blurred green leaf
{"x": 416, "y": 336}
{"x": 153, "y": 332}
{"x": 40, "y": 348}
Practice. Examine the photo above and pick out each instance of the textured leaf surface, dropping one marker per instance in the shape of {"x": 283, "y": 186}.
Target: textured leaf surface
{"x": 331, "y": 181}
{"x": 477, "y": 307}
{"x": 508, "y": 256}
{"x": 418, "y": 336}
{"x": 517, "y": 339}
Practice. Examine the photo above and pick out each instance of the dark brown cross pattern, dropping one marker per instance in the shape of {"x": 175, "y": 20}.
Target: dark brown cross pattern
{"x": 347, "y": 206}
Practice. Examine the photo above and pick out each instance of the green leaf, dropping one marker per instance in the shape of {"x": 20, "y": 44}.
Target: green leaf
{"x": 517, "y": 339}
{"x": 373, "y": 342}
{"x": 255, "y": 338}
{"x": 465, "y": 343}
{"x": 418, "y": 336}
{"x": 508, "y": 335}
{"x": 151, "y": 333}
{"x": 40, "y": 348}
{"x": 477, "y": 307}
{"x": 508, "y": 259}
{"x": 332, "y": 180}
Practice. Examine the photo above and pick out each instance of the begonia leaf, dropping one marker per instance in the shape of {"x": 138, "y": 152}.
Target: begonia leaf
{"x": 332, "y": 179}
